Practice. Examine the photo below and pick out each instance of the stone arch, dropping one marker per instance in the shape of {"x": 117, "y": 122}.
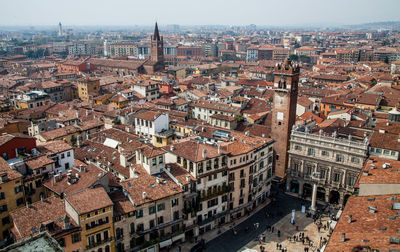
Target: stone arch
{"x": 307, "y": 190}
{"x": 345, "y": 198}
{"x": 334, "y": 197}
{"x": 294, "y": 186}
{"x": 321, "y": 193}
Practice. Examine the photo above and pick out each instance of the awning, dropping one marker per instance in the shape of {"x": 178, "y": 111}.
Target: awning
{"x": 178, "y": 237}
{"x": 165, "y": 243}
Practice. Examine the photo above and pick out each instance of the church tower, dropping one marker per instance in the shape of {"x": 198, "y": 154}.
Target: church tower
{"x": 286, "y": 78}
{"x": 157, "y": 47}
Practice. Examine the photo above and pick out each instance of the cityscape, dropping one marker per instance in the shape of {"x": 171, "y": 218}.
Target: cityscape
{"x": 186, "y": 126}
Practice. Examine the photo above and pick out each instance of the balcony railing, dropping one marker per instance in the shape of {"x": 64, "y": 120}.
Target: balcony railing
{"x": 95, "y": 244}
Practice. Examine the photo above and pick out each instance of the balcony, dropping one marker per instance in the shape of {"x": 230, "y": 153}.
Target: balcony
{"x": 164, "y": 133}
{"x": 95, "y": 244}
{"x": 212, "y": 218}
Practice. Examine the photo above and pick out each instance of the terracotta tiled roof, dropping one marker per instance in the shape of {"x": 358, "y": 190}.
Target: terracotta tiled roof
{"x": 89, "y": 200}
{"x": 38, "y": 162}
{"x": 27, "y": 220}
{"x": 148, "y": 184}
{"x": 60, "y": 132}
{"x": 367, "y": 228}
{"x": 385, "y": 141}
{"x": 5, "y": 169}
{"x": 87, "y": 178}
{"x": 148, "y": 115}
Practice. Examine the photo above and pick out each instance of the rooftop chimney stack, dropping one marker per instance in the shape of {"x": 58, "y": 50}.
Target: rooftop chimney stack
{"x": 204, "y": 154}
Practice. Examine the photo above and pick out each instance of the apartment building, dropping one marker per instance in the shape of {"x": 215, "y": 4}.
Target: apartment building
{"x": 92, "y": 210}
{"x": 324, "y": 167}
{"x": 11, "y": 196}
{"x": 203, "y": 110}
{"x": 154, "y": 126}
{"x": 123, "y": 49}
{"x": 158, "y": 202}
{"x": 88, "y": 87}
{"x": 148, "y": 89}
{"x": 47, "y": 215}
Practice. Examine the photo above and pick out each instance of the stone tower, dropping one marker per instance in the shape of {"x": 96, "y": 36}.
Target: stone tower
{"x": 157, "y": 47}
{"x": 286, "y": 78}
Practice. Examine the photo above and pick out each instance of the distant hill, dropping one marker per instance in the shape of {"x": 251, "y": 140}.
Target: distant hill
{"x": 392, "y": 25}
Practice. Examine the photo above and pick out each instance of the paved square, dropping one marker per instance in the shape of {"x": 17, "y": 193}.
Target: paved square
{"x": 305, "y": 225}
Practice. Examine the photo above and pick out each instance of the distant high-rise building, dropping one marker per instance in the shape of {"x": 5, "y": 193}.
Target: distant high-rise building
{"x": 60, "y": 31}
{"x": 286, "y": 78}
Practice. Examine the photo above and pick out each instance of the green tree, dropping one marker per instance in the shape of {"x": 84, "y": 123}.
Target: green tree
{"x": 293, "y": 57}
{"x": 73, "y": 140}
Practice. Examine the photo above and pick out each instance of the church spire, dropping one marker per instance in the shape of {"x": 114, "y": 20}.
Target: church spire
{"x": 156, "y": 35}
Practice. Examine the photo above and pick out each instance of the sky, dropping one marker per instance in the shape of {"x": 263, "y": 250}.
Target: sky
{"x": 200, "y": 12}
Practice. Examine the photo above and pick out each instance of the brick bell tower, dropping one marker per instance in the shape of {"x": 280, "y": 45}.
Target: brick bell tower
{"x": 157, "y": 47}
{"x": 286, "y": 78}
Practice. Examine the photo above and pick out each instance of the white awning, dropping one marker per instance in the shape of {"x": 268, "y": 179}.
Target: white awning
{"x": 178, "y": 237}
{"x": 165, "y": 243}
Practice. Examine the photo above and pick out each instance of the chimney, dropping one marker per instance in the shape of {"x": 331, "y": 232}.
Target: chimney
{"x": 188, "y": 178}
{"x": 343, "y": 237}
{"x": 28, "y": 205}
{"x": 219, "y": 149}
{"x": 350, "y": 219}
{"x": 122, "y": 160}
{"x": 41, "y": 198}
{"x": 204, "y": 153}
{"x": 144, "y": 195}
{"x": 79, "y": 141}
{"x": 172, "y": 147}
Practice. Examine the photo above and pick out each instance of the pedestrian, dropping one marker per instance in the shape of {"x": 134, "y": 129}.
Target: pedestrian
{"x": 277, "y": 246}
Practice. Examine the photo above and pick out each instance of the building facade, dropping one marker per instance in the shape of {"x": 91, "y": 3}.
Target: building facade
{"x": 323, "y": 167}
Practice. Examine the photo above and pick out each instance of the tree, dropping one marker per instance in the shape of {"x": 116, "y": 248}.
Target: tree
{"x": 73, "y": 140}
{"x": 293, "y": 57}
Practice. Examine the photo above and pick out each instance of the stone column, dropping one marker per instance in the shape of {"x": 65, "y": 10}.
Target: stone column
{"x": 301, "y": 188}
{"x": 314, "y": 198}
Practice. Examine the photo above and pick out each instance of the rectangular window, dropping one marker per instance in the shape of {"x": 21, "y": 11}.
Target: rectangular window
{"x": 152, "y": 210}
{"x": 68, "y": 154}
{"x": 355, "y": 160}
{"x": 311, "y": 152}
{"x": 151, "y": 223}
{"x": 2, "y": 195}
{"x": 325, "y": 153}
{"x": 339, "y": 158}
{"x": 160, "y": 207}
{"x": 76, "y": 237}
{"x": 3, "y": 208}
{"x": 160, "y": 220}
{"x": 20, "y": 201}
{"x": 139, "y": 213}
{"x": 174, "y": 202}
{"x": 5, "y": 220}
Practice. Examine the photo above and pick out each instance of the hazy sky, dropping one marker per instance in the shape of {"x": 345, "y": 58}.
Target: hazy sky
{"x": 192, "y": 12}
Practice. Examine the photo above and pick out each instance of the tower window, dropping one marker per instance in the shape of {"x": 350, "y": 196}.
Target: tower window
{"x": 279, "y": 123}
